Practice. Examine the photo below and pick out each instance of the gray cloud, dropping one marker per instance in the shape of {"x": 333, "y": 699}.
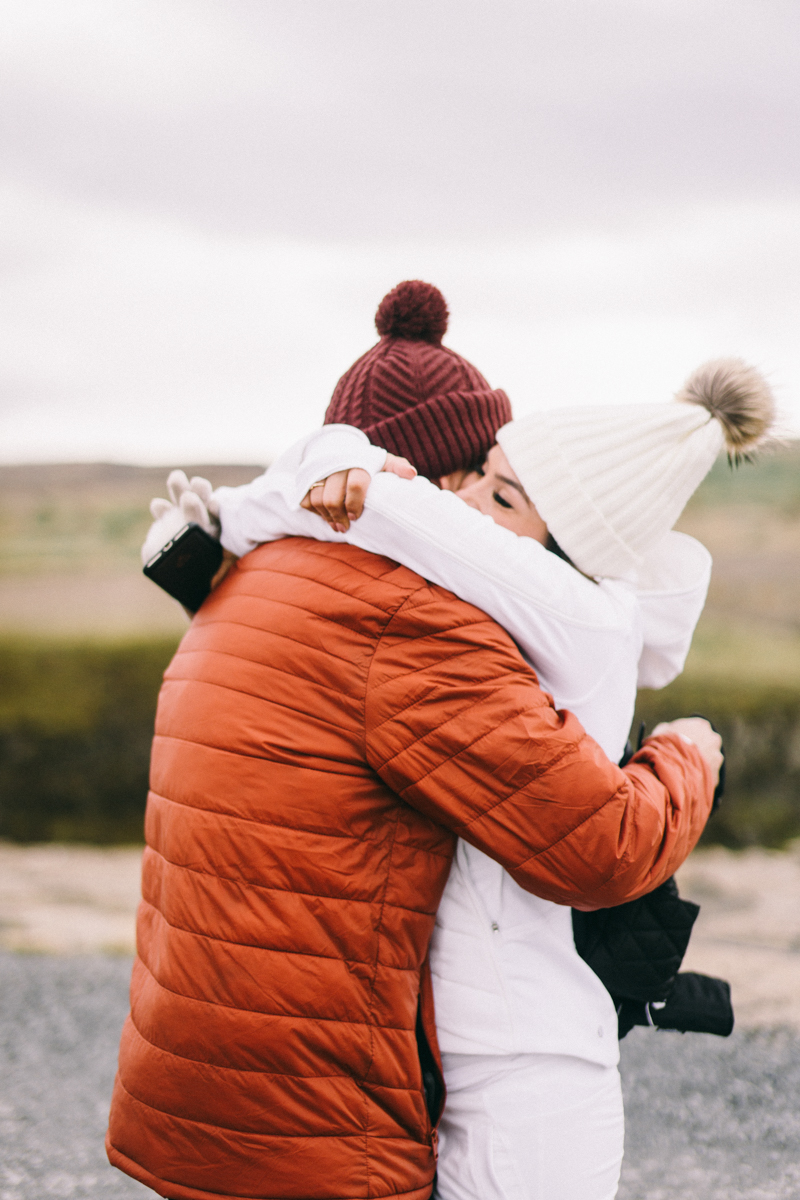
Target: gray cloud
{"x": 415, "y": 118}
{"x": 203, "y": 201}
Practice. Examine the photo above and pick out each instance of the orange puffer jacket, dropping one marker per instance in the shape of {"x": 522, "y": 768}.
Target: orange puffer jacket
{"x": 328, "y": 726}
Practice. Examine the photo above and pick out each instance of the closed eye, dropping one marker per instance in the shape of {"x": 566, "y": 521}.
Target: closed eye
{"x": 498, "y": 499}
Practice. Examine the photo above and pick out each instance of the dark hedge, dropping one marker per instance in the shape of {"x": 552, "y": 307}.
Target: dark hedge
{"x": 76, "y": 721}
{"x": 760, "y": 727}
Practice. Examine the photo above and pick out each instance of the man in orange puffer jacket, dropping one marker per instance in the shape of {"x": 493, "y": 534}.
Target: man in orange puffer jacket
{"x": 330, "y": 723}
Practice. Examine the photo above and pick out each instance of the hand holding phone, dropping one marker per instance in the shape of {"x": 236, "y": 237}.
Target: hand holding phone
{"x": 185, "y": 566}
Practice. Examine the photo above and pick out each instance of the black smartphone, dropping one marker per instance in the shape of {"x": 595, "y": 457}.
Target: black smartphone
{"x": 186, "y": 565}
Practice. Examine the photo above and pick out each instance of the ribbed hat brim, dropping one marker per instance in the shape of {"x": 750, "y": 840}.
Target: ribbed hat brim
{"x": 450, "y": 432}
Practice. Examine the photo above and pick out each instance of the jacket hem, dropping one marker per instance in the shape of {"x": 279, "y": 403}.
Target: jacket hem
{"x": 178, "y": 1191}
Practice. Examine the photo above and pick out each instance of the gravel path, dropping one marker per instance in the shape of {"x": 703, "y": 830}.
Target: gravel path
{"x": 708, "y": 1119}
{"x": 60, "y": 1020}
{"x": 711, "y": 1118}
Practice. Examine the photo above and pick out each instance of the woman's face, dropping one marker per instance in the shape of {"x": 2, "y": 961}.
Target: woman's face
{"x": 495, "y": 490}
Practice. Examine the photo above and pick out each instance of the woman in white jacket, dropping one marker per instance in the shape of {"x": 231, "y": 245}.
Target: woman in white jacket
{"x": 527, "y": 1031}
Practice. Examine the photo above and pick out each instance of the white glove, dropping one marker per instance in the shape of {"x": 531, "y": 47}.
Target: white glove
{"x": 191, "y": 500}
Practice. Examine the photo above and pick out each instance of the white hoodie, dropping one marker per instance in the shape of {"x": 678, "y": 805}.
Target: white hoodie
{"x": 507, "y": 977}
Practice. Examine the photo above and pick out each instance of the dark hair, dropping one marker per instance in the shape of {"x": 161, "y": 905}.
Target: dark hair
{"x": 552, "y": 545}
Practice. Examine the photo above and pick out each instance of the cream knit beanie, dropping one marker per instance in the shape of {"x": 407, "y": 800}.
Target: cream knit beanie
{"x": 610, "y": 483}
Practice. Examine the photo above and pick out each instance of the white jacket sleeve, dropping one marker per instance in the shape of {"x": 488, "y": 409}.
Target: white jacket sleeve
{"x": 672, "y": 588}
{"x": 269, "y": 507}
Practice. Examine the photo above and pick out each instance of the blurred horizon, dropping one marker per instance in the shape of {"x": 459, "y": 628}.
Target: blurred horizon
{"x": 70, "y": 536}
{"x": 203, "y": 203}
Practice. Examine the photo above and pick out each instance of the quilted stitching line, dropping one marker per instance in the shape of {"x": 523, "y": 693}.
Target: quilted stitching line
{"x": 172, "y": 737}
{"x": 263, "y": 1012}
{"x": 415, "y": 702}
{"x": 553, "y": 762}
{"x": 268, "y": 887}
{"x": 251, "y": 662}
{"x": 436, "y": 637}
{"x": 324, "y": 583}
{"x": 228, "y": 621}
{"x": 297, "y": 828}
{"x": 202, "y": 1062}
{"x": 403, "y": 601}
{"x": 317, "y": 550}
{"x": 271, "y": 1136}
{"x": 371, "y": 1006}
{"x": 421, "y": 699}
{"x": 210, "y": 937}
{"x": 252, "y": 820}
{"x": 264, "y": 700}
{"x": 590, "y": 816}
{"x": 544, "y": 767}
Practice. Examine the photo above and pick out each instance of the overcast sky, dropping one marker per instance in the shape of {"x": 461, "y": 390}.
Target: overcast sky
{"x": 203, "y": 201}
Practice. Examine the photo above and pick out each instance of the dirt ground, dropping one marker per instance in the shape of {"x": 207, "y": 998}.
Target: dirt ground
{"x": 748, "y": 930}
{"x": 82, "y": 900}
{"x": 115, "y": 604}
{"x": 68, "y": 899}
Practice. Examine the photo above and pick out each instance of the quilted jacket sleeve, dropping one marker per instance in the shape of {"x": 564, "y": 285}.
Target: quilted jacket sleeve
{"x": 457, "y": 725}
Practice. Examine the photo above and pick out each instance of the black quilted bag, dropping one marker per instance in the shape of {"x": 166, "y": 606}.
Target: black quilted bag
{"x": 636, "y": 949}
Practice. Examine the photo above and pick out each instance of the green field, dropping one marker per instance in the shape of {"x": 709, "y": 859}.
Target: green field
{"x": 69, "y": 549}
{"x": 84, "y": 638}
{"x": 83, "y": 518}
{"x": 750, "y": 520}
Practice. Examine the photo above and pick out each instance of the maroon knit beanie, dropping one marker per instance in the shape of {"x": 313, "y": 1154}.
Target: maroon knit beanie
{"x": 414, "y": 397}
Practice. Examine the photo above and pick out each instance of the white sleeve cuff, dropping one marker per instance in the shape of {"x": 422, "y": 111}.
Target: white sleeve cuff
{"x": 336, "y": 448}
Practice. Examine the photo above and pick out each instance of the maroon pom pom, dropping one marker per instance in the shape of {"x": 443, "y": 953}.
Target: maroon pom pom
{"x": 413, "y": 310}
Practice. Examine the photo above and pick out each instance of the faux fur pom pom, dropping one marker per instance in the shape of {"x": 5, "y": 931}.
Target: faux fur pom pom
{"x": 739, "y": 397}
